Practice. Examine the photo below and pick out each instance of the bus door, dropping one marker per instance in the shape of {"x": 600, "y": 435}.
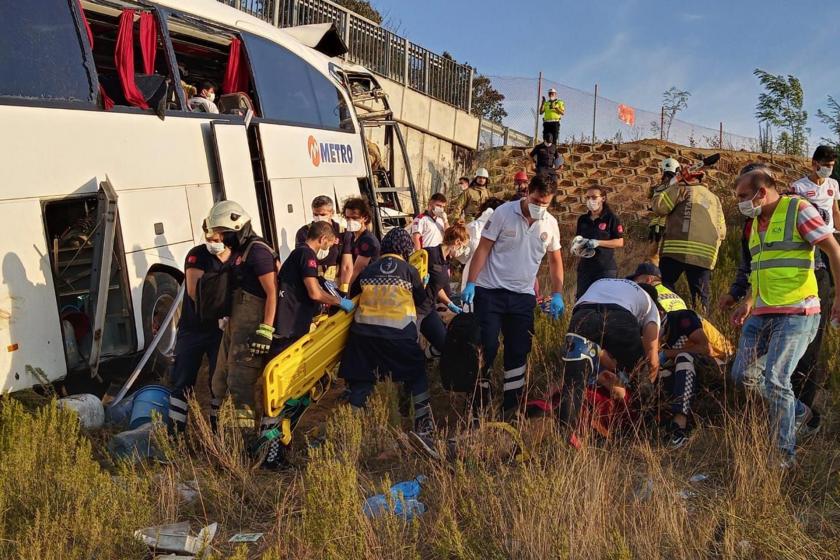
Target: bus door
{"x": 233, "y": 165}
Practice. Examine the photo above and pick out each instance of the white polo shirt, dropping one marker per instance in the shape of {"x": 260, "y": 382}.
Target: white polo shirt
{"x": 824, "y": 196}
{"x": 430, "y": 229}
{"x": 625, "y": 293}
{"x": 518, "y": 250}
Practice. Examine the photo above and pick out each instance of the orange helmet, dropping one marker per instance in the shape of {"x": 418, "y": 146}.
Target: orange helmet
{"x": 520, "y": 176}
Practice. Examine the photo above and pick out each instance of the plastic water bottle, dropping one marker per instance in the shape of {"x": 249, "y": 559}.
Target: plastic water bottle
{"x": 404, "y": 497}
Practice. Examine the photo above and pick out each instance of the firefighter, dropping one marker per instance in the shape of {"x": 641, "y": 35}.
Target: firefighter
{"x": 323, "y": 211}
{"x": 383, "y": 336}
{"x": 248, "y": 334}
{"x": 552, "y": 110}
{"x": 466, "y": 207}
{"x": 694, "y": 229}
{"x": 195, "y": 340}
{"x": 359, "y": 247}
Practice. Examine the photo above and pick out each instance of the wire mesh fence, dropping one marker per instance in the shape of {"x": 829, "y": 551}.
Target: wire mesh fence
{"x": 591, "y": 118}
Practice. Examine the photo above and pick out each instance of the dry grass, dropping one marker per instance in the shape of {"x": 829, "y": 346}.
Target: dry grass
{"x": 627, "y": 498}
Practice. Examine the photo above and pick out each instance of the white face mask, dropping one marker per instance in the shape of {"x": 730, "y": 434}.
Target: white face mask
{"x": 537, "y": 212}
{"x": 438, "y": 211}
{"x": 459, "y": 251}
{"x": 321, "y": 254}
{"x": 354, "y": 225}
{"x": 321, "y": 218}
{"x": 214, "y": 247}
{"x": 747, "y": 209}
{"x": 824, "y": 172}
{"x": 593, "y": 205}
{"x": 211, "y": 97}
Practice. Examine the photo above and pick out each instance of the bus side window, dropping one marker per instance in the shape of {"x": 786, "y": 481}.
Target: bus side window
{"x": 203, "y": 57}
{"x": 104, "y": 25}
{"x": 293, "y": 91}
{"x": 42, "y": 55}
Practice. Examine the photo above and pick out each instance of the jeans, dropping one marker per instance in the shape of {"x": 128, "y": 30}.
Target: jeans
{"x": 810, "y": 375}
{"x": 698, "y": 279}
{"x": 768, "y": 351}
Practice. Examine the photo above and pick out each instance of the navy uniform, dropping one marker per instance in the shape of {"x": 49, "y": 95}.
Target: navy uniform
{"x": 295, "y": 309}
{"x": 601, "y": 265}
{"x": 328, "y": 266}
{"x": 383, "y": 336}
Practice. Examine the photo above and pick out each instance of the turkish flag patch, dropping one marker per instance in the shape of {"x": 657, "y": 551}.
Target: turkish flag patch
{"x": 364, "y": 247}
{"x": 830, "y": 192}
{"x": 312, "y": 263}
{"x": 602, "y": 226}
{"x": 811, "y": 194}
{"x": 192, "y": 259}
{"x": 620, "y": 228}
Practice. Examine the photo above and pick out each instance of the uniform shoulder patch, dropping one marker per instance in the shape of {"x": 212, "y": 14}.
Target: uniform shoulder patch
{"x": 192, "y": 259}
{"x": 312, "y": 263}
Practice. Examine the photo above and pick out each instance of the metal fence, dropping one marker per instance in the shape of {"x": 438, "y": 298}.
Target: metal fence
{"x": 591, "y": 116}
{"x": 374, "y": 47}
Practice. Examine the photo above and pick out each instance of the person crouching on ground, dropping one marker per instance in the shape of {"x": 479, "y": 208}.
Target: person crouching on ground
{"x": 383, "y": 336}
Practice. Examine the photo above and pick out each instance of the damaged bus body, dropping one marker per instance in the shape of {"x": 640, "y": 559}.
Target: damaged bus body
{"x": 107, "y": 174}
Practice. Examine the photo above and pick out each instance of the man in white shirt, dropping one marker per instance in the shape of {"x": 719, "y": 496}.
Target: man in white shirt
{"x": 501, "y": 282}
{"x": 621, "y": 317}
{"x": 427, "y": 228}
{"x": 819, "y": 188}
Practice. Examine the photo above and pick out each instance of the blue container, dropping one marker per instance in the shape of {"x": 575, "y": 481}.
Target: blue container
{"x": 148, "y": 399}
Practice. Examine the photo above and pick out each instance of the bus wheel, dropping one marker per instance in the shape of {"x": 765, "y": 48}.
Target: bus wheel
{"x": 159, "y": 292}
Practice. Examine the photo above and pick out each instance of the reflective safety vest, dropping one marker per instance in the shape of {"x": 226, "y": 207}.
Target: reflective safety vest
{"x": 553, "y": 110}
{"x": 782, "y": 262}
{"x": 668, "y": 300}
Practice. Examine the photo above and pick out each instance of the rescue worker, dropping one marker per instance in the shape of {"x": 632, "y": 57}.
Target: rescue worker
{"x": 819, "y": 187}
{"x": 520, "y": 185}
{"x": 300, "y": 297}
{"x": 383, "y": 336}
{"x": 781, "y": 316}
{"x": 359, "y": 247}
{"x": 694, "y": 229}
{"x": 552, "y": 110}
{"x": 602, "y": 232}
{"x": 463, "y": 184}
{"x": 656, "y": 225}
{"x": 195, "y": 340}
{"x": 427, "y": 228}
{"x": 203, "y": 101}
{"x": 323, "y": 211}
{"x": 466, "y": 206}
{"x": 474, "y": 230}
{"x": 501, "y": 281}
{"x": 617, "y": 321}
{"x": 248, "y": 334}
{"x": 546, "y": 156}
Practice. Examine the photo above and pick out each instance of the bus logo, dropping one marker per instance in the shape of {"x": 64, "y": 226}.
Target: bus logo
{"x": 314, "y": 151}
{"x": 328, "y": 152}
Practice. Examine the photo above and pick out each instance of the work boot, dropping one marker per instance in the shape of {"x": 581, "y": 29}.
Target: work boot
{"x": 422, "y": 437}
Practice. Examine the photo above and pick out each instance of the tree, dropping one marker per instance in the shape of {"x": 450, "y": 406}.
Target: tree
{"x": 673, "y": 101}
{"x": 831, "y": 118}
{"x": 361, "y": 7}
{"x": 781, "y": 106}
{"x": 487, "y": 100}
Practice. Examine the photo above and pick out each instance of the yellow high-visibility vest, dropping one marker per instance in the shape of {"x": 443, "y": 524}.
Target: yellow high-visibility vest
{"x": 668, "y": 300}
{"x": 782, "y": 261}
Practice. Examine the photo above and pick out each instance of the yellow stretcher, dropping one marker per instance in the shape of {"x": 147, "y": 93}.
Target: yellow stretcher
{"x": 303, "y": 372}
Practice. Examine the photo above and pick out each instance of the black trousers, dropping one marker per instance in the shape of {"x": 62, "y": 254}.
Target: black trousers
{"x": 699, "y": 279}
{"x": 554, "y": 128}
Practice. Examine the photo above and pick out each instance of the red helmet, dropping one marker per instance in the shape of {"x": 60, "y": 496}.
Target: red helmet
{"x": 520, "y": 176}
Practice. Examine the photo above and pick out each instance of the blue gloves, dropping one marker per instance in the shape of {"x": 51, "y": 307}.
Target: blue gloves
{"x": 454, "y": 308}
{"x": 557, "y": 306}
{"x": 347, "y": 305}
{"x": 425, "y": 280}
{"x": 468, "y": 295}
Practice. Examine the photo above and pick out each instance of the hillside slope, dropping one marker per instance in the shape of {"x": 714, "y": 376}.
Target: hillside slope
{"x": 627, "y": 171}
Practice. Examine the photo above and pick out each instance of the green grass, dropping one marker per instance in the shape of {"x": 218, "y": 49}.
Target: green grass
{"x": 61, "y": 498}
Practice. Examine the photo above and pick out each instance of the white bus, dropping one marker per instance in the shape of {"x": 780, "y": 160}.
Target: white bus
{"x": 72, "y": 164}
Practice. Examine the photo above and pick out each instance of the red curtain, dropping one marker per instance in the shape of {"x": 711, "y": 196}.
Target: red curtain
{"x": 124, "y": 60}
{"x": 236, "y": 74}
{"x": 148, "y": 41}
{"x": 106, "y": 101}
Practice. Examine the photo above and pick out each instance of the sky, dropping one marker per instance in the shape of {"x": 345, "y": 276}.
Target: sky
{"x": 636, "y": 49}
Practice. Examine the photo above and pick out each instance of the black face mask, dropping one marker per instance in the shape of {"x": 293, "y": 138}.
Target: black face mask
{"x": 230, "y": 239}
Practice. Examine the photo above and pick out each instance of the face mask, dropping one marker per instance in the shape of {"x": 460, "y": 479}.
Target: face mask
{"x": 321, "y": 219}
{"x": 230, "y": 239}
{"x": 537, "y": 212}
{"x": 354, "y": 225}
{"x": 824, "y": 172}
{"x": 747, "y": 209}
{"x": 214, "y": 247}
{"x": 211, "y": 97}
{"x": 322, "y": 254}
{"x": 459, "y": 251}
{"x": 437, "y": 211}
{"x": 593, "y": 205}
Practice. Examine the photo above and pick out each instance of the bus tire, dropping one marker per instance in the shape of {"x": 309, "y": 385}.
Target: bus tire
{"x": 159, "y": 292}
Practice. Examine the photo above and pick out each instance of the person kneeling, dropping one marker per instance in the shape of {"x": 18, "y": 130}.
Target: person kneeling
{"x": 383, "y": 336}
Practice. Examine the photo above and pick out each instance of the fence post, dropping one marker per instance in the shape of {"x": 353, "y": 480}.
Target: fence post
{"x": 662, "y": 123}
{"x": 347, "y": 16}
{"x": 720, "y": 144}
{"x": 405, "y": 69}
{"x": 237, "y": 4}
{"x": 294, "y": 13}
{"x": 426, "y": 77}
{"x": 594, "y": 112}
{"x": 276, "y": 17}
{"x": 470, "y": 91}
{"x": 480, "y": 126}
{"x": 537, "y": 116}
{"x": 506, "y": 136}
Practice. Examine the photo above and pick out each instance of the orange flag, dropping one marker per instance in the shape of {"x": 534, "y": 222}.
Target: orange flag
{"x": 627, "y": 115}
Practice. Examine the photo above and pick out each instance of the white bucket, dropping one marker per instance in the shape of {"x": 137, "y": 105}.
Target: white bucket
{"x": 88, "y": 407}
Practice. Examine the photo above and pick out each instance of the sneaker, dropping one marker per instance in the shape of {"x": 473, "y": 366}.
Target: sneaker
{"x": 802, "y": 420}
{"x": 275, "y": 459}
{"x": 811, "y": 427}
{"x": 679, "y": 437}
{"x": 788, "y": 463}
{"x": 425, "y": 443}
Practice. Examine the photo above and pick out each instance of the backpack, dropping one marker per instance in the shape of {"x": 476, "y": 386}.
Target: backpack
{"x": 461, "y": 358}
{"x": 214, "y": 291}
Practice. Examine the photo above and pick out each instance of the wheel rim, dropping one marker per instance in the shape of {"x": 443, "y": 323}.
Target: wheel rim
{"x": 161, "y": 307}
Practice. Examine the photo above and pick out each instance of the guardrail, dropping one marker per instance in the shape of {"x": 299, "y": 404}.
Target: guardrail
{"x": 492, "y": 135}
{"x": 374, "y": 47}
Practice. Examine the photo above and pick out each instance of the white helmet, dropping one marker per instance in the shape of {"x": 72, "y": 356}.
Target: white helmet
{"x": 670, "y": 165}
{"x": 228, "y": 215}
{"x": 579, "y": 248}
{"x": 552, "y": 90}
{"x": 482, "y": 172}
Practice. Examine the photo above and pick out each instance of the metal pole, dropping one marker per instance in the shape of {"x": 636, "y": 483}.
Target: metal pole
{"x": 347, "y": 27}
{"x": 720, "y": 144}
{"x": 470, "y": 92}
{"x": 405, "y": 68}
{"x": 539, "y": 104}
{"x": 426, "y": 77}
{"x": 276, "y": 17}
{"x": 594, "y": 112}
{"x": 662, "y": 123}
